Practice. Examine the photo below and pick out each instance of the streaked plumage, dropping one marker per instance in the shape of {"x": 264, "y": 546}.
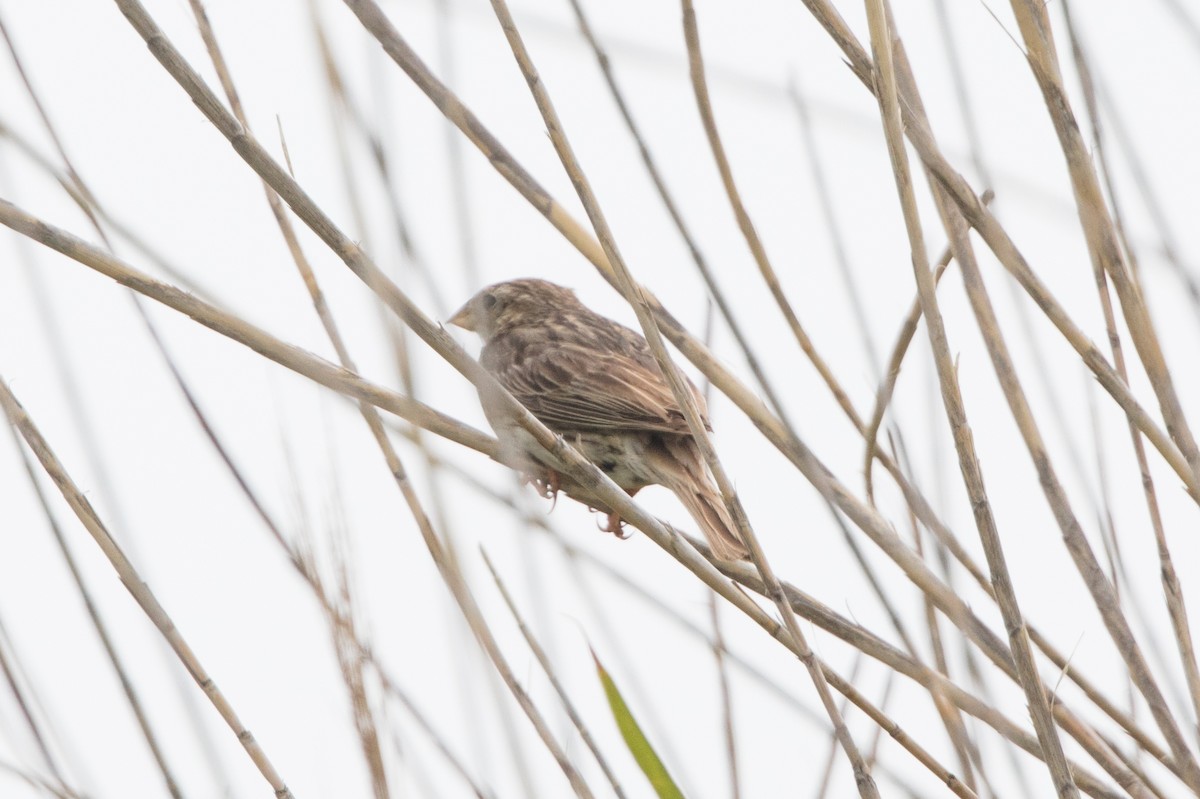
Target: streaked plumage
{"x": 596, "y": 383}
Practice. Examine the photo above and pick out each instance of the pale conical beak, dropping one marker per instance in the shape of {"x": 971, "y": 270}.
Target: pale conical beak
{"x": 465, "y": 317}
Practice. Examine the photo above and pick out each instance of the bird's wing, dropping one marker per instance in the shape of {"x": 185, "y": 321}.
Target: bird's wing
{"x": 574, "y": 386}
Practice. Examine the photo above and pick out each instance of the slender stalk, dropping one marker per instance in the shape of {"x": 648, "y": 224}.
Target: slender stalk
{"x": 889, "y": 103}
{"x": 1172, "y": 591}
{"x": 128, "y": 686}
{"x": 660, "y": 186}
{"x": 682, "y": 392}
{"x": 137, "y": 588}
{"x": 540, "y": 655}
{"x": 745, "y": 224}
{"x": 1007, "y": 252}
{"x": 1100, "y": 234}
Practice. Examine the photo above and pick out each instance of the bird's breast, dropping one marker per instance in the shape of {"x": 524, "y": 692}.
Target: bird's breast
{"x": 621, "y": 456}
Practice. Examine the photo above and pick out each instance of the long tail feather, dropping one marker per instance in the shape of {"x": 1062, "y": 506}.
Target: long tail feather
{"x": 709, "y": 511}
{"x": 679, "y": 467}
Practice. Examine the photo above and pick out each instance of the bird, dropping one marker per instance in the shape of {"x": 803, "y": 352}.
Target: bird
{"x": 595, "y": 383}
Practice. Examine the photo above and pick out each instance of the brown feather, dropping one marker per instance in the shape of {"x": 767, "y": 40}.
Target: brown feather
{"x": 680, "y": 467}
{"x": 596, "y": 383}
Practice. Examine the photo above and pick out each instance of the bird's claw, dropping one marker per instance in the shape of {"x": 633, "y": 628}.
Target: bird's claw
{"x": 615, "y": 525}
{"x": 547, "y": 487}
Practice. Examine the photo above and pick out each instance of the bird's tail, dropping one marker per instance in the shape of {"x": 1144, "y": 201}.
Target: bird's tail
{"x": 709, "y": 511}
{"x": 684, "y": 473}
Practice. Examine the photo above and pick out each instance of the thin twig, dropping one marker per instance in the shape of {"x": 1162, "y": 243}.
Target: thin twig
{"x": 137, "y": 587}
{"x": 889, "y": 104}
{"x": 548, "y": 667}
{"x": 1106, "y": 255}
{"x": 679, "y": 388}
{"x": 101, "y": 627}
{"x": 745, "y": 224}
{"x": 660, "y": 186}
{"x": 1172, "y": 592}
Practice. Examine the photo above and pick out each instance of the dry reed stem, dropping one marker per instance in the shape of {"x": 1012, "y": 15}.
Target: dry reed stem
{"x": 889, "y": 104}
{"x": 833, "y": 227}
{"x": 344, "y": 382}
{"x": 660, "y": 186}
{"x": 446, "y": 566}
{"x": 964, "y": 748}
{"x": 311, "y": 577}
{"x": 38, "y": 783}
{"x": 1102, "y": 244}
{"x": 548, "y": 667}
{"x": 1098, "y": 227}
{"x": 1102, "y": 591}
{"x": 883, "y": 395}
{"x": 136, "y": 587}
{"x": 867, "y": 518}
{"x": 101, "y": 627}
{"x": 91, "y": 207}
{"x": 935, "y": 682}
{"x": 342, "y": 624}
{"x": 11, "y": 668}
{"x": 585, "y": 475}
{"x": 1172, "y": 591}
{"x": 745, "y": 224}
{"x": 720, "y": 655}
{"x": 1006, "y": 251}
{"x": 684, "y": 397}
{"x": 298, "y": 360}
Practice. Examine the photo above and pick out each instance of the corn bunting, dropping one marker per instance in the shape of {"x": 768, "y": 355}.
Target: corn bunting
{"x": 595, "y": 383}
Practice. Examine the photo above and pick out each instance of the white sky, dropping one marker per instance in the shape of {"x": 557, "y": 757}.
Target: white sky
{"x": 160, "y": 168}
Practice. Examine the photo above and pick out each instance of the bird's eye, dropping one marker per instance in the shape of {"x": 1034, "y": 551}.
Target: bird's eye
{"x": 489, "y": 302}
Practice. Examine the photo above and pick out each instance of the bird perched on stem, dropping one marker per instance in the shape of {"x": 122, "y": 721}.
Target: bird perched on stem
{"x": 595, "y": 383}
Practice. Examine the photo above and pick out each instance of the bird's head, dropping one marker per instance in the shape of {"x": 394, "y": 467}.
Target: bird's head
{"x": 512, "y": 304}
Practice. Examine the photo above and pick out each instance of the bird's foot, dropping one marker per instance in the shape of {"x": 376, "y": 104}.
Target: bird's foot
{"x": 547, "y": 486}
{"x": 613, "y": 523}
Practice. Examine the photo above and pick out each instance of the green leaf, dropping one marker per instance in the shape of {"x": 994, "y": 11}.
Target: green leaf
{"x": 635, "y": 739}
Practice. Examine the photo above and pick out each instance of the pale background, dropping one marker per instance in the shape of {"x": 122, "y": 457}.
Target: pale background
{"x": 79, "y": 359}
